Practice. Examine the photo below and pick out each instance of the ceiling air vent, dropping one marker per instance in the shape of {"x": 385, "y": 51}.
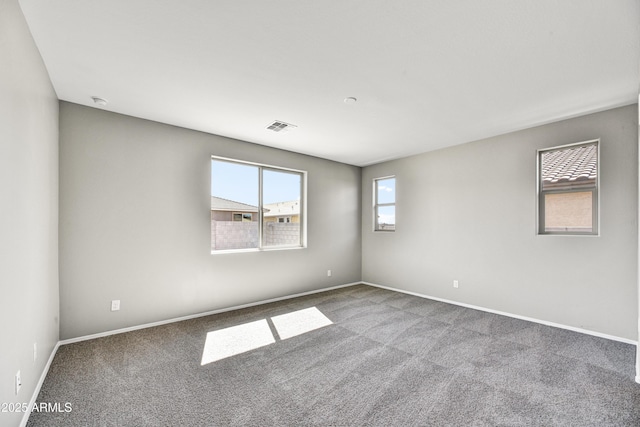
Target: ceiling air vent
{"x": 279, "y": 126}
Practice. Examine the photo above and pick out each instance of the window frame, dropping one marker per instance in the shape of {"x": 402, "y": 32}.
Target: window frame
{"x": 302, "y": 244}
{"x": 594, "y": 190}
{"x": 377, "y": 205}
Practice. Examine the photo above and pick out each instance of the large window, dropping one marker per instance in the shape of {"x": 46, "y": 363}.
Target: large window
{"x": 384, "y": 204}
{"x": 255, "y": 206}
{"x": 568, "y": 189}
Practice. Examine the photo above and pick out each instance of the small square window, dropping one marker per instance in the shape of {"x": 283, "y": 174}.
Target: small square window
{"x": 568, "y": 189}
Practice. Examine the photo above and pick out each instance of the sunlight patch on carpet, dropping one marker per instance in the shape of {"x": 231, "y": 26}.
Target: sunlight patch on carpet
{"x": 299, "y": 322}
{"x": 236, "y": 340}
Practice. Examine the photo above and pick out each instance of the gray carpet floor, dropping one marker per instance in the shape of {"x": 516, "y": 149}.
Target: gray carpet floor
{"x": 388, "y": 359}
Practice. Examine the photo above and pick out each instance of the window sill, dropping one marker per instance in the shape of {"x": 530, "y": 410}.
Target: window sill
{"x": 567, "y": 235}
{"x": 253, "y": 250}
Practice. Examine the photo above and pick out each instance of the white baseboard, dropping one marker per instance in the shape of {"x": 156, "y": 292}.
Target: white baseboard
{"x": 25, "y": 417}
{"x": 516, "y": 316}
{"x": 36, "y": 392}
{"x": 194, "y": 316}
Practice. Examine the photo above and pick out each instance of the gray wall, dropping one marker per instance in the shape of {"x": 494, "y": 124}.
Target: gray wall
{"x": 28, "y": 210}
{"x": 135, "y": 220}
{"x": 469, "y": 213}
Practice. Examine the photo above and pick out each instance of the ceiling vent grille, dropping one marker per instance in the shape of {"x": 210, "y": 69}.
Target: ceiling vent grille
{"x": 280, "y": 126}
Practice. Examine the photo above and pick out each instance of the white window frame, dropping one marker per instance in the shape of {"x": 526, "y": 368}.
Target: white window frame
{"x": 377, "y": 205}
{"x": 303, "y": 206}
{"x": 595, "y": 191}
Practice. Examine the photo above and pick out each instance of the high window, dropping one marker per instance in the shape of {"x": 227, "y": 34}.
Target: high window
{"x": 384, "y": 204}
{"x": 255, "y": 206}
{"x": 568, "y": 189}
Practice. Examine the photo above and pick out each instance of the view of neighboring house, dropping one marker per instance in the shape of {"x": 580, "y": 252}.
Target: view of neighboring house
{"x": 283, "y": 212}
{"x": 228, "y": 210}
{"x": 234, "y": 225}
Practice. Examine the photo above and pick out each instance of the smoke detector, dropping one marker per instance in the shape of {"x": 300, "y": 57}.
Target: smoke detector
{"x": 280, "y": 126}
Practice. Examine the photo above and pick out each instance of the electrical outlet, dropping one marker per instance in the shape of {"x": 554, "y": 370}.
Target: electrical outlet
{"x": 18, "y": 382}
{"x": 35, "y": 351}
{"x": 115, "y": 305}
{"x": 328, "y": 273}
{"x": 455, "y": 283}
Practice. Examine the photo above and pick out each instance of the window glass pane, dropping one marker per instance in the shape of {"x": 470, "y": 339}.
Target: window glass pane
{"x": 281, "y": 208}
{"x": 234, "y": 204}
{"x": 570, "y": 168}
{"x": 234, "y": 181}
{"x": 386, "y": 190}
{"x": 572, "y": 212}
{"x": 386, "y": 218}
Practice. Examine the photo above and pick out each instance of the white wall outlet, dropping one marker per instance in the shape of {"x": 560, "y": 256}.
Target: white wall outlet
{"x": 328, "y": 273}
{"x": 35, "y": 351}
{"x": 115, "y": 305}
{"x": 18, "y": 382}
{"x": 455, "y": 283}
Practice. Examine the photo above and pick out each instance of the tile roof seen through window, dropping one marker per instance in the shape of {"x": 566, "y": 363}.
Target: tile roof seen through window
{"x": 272, "y": 209}
{"x": 220, "y": 204}
{"x": 568, "y": 168}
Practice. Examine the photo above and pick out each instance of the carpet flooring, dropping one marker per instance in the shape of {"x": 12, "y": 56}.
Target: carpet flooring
{"x": 388, "y": 359}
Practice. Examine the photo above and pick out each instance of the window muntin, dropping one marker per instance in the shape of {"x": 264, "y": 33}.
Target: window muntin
{"x": 384, "y": 204}
{"x": 254, "y": 197}
{"x": 568, "y": 189}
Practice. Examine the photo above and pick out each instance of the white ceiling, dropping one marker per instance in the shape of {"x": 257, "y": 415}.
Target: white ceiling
{"x": 426, "y": 73}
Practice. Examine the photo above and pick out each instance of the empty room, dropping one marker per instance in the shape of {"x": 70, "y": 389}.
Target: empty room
{"x": 342, "y": 213}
